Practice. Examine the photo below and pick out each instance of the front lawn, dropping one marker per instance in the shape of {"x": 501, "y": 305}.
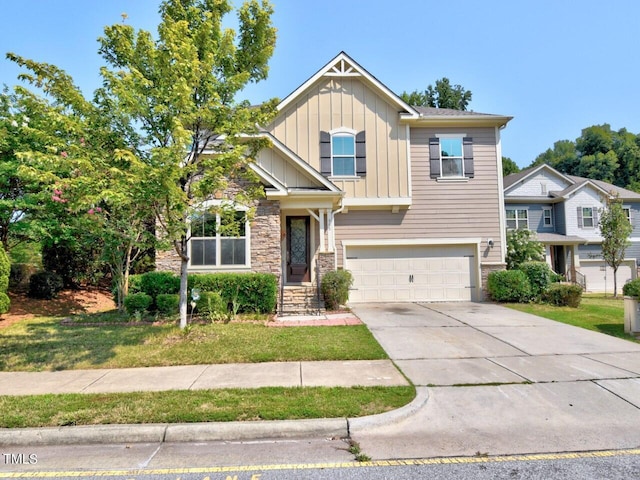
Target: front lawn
{"x": 187, "y": 406}
{"x": 44, "y": 344}
{"x": 596, "y": 312}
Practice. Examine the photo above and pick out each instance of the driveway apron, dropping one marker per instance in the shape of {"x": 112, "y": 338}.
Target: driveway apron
{"x": 502, "y": 382}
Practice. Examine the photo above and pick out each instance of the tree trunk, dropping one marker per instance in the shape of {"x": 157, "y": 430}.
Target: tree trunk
{"x": 615, "y": 282}
{"x": 184, "y": 277}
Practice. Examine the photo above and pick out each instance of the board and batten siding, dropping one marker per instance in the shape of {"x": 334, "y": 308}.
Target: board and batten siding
{"x": 282, "y": 169}
{"x": 333, "y": 103}
{"x": 439, "y": 209}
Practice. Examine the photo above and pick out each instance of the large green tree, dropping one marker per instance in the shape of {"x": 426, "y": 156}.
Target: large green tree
{"x": 509, "y": 166}
{"x": 615, "y": 229}
{"x": 442, "y": 95}
{"x": 181, "y": 90}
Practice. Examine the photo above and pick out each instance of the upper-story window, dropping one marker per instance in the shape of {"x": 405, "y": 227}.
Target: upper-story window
{"x": 451, "y": 156}
{"x": 547, "y": 217}
{"x": 517, "y": 218}
{"x": 219, "y": 239}
{"x": 627, "y": 212}
{"x": 343, "y": 153}
{"x": 587, "y": 217}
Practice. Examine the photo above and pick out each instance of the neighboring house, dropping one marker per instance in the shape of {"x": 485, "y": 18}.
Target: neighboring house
{"x": 564, "y": 211}
{"x": 409, "y": 199}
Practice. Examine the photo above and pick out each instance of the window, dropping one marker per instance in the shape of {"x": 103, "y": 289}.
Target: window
{"x": 219, "y": 240}
{"x": 587, "y": 217}
{"x": 517, "y": 218}
{"x": 343, "y": 155}
{"x": 547, "y": 218}
{"x": 627, "y": 212}
{"x": 451, "y": 156}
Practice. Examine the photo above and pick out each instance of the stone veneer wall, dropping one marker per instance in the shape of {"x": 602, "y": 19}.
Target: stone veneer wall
{"x": 266, "y": 254}
{"x": 326, "y": 262}
{"x": 265, "y": 243}
{"x": 486, "y": 269}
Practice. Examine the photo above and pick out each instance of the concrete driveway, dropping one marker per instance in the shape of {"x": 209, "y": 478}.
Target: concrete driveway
{"x": 500, "y": 381}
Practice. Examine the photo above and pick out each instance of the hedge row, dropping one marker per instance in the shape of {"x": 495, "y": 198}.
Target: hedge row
{"x": 532, "y": 281}
{"x": 239, "y": 292}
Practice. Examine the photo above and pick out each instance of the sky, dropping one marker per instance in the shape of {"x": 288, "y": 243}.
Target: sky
{"x": 556, "y": 66}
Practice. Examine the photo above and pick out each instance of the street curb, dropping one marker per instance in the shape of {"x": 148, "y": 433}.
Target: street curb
{"x": 206, "y": 432}
{"x": 84, "y": 434}
{"x": 393, "y": 416}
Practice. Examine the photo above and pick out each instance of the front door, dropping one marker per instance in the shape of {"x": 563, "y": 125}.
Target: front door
{"x": 298, "y": 249}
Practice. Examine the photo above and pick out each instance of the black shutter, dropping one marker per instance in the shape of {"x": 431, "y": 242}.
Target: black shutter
{"x": 325, "y": 154}
{"x": 434, "y": 157}
{"x": 361, "y": 154}
{"x": 467, "y": 152}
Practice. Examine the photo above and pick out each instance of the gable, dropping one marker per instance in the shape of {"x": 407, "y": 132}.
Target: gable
{"x": 537, "y": 182}
{"x": 285, "y": 172}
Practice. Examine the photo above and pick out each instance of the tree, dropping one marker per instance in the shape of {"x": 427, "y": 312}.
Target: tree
{"x": 509, "y": 166}
{"x": 563, "y": 157}
{"x": 522, "y": 246}
{"x": 615, "y": 229}
{"x": 180, "y": 89}
{"x": 443, "y": 95}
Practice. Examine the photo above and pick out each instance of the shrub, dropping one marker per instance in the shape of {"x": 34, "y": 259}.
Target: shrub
{"x": 158, "y": 283}
{"x": 20, "y": 273}
{"x": 563, "y": 295}
{"x": 509, "y": 286}
{"x": 5, "y": 303}
{"x": 242, "y": 292}
{"x": 632, "y": 288}
{"x": 522, "y": 246}
{"x": 5, "y": 270}
{"x": 540, "y": 276}
{"x": 168, "y": 303}
{"x": 137, "y": 302}
{"x": 211, "y": 304}
{"x": 45, "y": 285}
{"x": 335, "y": 288}
{"x": 76, "y": 260}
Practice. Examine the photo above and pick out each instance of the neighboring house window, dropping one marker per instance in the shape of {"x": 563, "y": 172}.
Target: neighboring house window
{"x": 451, "y": 157}
{"x": 218, "y": 240}
{"x": 343, "y": 153}
{"x": 547, "y": 218}
{"x": 517, "y": 219}
{"x": 587, "y": 217}
{"x": 627, "y": 212}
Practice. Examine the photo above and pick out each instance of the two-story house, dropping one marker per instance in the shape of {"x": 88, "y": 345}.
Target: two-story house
{"x": 563, "y": 210}
{"x": 409, "y": 199}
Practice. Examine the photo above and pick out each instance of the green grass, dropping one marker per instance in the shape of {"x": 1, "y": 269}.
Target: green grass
{"x": 596, "y": 312}
{"x": 44, "y": 344}
{"x": 275, "y": 403}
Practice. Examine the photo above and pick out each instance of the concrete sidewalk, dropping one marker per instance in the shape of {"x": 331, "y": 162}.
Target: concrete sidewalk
{"x": 202, "y": 377}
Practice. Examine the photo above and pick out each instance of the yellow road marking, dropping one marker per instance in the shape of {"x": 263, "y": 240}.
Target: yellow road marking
{"x": 310, "y": 466}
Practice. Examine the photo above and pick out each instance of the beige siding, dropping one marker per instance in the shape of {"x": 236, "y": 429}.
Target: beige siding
{"x": 439, "y": 209}
{"x": 283, "y": 170}
{"x": 335, "y": 102}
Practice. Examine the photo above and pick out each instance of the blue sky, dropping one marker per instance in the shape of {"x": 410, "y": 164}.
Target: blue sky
{"x": 555, "y": 66}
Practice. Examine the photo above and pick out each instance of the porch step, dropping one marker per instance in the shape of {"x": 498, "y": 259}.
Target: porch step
{"x": 300, "y": 300}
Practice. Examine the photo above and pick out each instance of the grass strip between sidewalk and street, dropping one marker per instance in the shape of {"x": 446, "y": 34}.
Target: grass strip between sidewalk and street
{"x": 596, "y": 312}
{"x": 189, "y": 406}
{"x": 44, "y": 344}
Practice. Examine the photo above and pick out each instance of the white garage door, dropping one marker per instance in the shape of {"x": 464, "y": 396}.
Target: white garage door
{"x": 411, "y": 273}
{"x": 599, "y": 275}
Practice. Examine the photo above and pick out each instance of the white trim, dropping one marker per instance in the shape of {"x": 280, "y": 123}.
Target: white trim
{"x": 354, "y": 70}
{"x": 409, "y": 182}
{"x": 377, "y": 202}
{"x": 550, "y": 210}
{"x": 501, "y": 197}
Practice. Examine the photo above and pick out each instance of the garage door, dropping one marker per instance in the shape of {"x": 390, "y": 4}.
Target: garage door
{"x": 411, "y": 273}
{"x": 599, "y": 275}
